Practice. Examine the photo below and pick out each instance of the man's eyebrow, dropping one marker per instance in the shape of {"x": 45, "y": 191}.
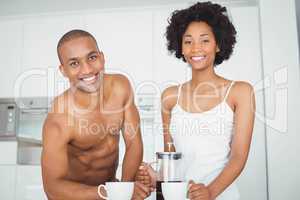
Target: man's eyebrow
{"x": 76, "y": 58}
{"x": 73, "y": 59}
{"x": 92, "y": 52}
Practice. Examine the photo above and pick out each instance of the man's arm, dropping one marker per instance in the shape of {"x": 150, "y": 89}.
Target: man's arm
{"x": 131, "y": 133}
{"x": 55, "y": 165}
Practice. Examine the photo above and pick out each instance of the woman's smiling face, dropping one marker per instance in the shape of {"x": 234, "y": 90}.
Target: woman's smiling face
{"x": 199, "y": 46}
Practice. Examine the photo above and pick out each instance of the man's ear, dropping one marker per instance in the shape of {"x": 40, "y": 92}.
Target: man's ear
{"x": 218, "y": 49}
{"x": 102, "y": 56}
{"x": 62, "y": 70}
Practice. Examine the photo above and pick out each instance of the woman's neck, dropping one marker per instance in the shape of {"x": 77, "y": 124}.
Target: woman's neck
{"x": 207, "y": 76}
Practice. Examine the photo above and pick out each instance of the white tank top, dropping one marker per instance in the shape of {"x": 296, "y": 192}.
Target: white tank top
{"x": 204, "y": 140}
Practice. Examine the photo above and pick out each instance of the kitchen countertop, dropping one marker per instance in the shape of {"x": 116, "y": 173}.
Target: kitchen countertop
{"x": 23, "y": 138}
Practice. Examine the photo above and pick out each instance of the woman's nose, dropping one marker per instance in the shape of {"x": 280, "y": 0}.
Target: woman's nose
{"x": 196, "y": 47}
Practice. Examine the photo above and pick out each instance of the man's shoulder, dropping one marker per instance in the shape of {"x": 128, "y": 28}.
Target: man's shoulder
{"x": 59, "y": 104}
{"x": 56, "y": 124}
{"x": 118, "y": 82}
{"x": 117, "y": 78}
{"x": 58, "y": 113}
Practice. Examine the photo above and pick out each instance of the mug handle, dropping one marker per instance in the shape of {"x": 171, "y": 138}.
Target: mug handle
{"x": 99, "y": 191}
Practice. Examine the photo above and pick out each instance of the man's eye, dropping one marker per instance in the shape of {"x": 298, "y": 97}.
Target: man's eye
{"x": 93, "y": 57}
{"x": 74, "y": 64}
{"x": 205, "y": 41}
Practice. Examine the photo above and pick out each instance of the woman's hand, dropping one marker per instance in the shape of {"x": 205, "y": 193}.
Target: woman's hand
{"x": 146, "y": 175}
{"x": 198, "y": 191}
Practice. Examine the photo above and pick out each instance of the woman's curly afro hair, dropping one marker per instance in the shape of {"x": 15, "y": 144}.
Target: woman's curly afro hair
{"x": 212, "y": 14}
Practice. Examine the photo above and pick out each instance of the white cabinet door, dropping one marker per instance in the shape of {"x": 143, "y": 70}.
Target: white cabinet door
{"x": 281, "y": 67}
{"x": 29, "y": 185}
{"x": 8, "y": 152}
{"x": 40, "y": 74}
{"x": 7, "y": 182}
{"x": 125, "y": 37}
{"x": 10, "y": 55}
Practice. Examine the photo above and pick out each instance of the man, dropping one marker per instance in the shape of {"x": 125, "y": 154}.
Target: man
{"x": 81, "y": 133}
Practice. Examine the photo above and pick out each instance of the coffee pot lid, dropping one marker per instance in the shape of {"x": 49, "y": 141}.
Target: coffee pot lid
{"x": 169, "y": 155}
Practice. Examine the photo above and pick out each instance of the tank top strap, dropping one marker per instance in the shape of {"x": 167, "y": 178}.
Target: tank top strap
{"x": 228, "y": 90}
{"x": 178, "y": 93}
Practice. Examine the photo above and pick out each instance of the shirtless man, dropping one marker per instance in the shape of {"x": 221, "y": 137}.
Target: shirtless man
{"x": 81, "y": 132}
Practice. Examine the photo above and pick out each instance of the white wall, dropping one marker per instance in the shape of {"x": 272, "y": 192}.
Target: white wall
{"x": 281, "y": 68}
{"x": 21, "y": 7}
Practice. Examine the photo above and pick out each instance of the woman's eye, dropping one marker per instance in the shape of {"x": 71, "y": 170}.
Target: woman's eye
{"x": 187, "y": 42}
{"x": 205, "y": 41}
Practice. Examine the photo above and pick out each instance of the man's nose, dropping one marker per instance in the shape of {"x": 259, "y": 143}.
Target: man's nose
{"x": 85, "y": 68}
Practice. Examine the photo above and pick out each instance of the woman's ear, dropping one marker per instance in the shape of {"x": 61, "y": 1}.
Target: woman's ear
{"x": 218, "y": 49}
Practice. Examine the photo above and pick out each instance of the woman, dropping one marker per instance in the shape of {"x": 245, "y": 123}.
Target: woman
{"x": 208, "y": 118}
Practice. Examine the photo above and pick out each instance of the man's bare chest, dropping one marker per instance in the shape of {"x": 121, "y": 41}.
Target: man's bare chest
{"x": 95, "y": 129}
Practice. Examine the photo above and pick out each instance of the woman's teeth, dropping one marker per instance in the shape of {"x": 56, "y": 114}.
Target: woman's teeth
{"x": 197, "y": 58}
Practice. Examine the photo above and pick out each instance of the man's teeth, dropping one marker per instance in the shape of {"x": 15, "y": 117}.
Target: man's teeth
{"x": 89, "y": 78}
{"x": 197, "y": 58}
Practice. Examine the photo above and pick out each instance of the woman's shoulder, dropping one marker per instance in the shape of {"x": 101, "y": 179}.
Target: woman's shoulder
{"x": 172, "y": 90}
{"x": 242, "y": 86}
{"x": 169, "y": 96}
{"x": 241, "y": 91}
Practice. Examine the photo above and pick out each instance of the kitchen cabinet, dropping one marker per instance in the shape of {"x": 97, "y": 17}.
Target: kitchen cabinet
{"x": 10, "y": 55}
{"x": 29, "y": 183}
{"x": 8, "y": 152}
{"x": 39, "y": 66}
{"x": 125, "y": 37}
{"x": 8, "y": 161}
{"x": 7, "y": 183}
{"x": 281, "y": 67}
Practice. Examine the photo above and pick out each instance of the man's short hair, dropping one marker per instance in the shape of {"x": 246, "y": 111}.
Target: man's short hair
{"x": 70, "y": 35}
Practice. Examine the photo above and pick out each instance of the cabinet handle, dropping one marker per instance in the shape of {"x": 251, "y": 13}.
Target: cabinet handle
{"x": 34, "y": 112}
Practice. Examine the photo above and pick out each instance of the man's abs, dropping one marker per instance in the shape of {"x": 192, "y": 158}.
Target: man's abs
{"x": 94, "y": 166}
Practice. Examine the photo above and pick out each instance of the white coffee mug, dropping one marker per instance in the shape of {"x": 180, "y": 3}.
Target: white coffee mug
{"x": 174, "y": 190}
{"x": 117, "y": 190}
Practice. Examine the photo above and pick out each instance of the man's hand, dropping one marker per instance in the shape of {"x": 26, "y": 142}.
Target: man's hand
{"x": 140, "y": 191}
{"x": 146, "y": 175}
{"x": 198, "y": 191}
